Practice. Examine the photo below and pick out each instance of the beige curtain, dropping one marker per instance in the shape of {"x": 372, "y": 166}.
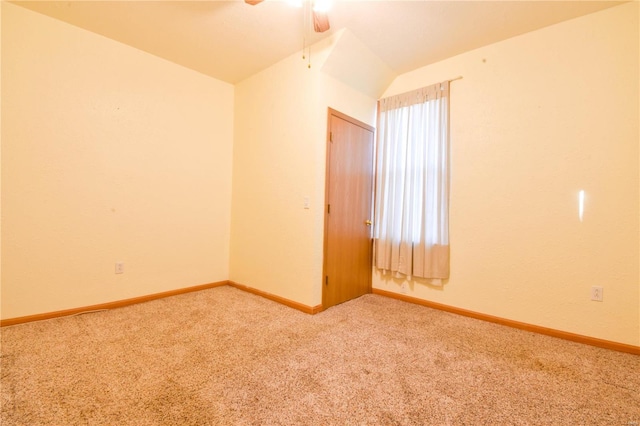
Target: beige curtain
{"x": 412, "y": 183}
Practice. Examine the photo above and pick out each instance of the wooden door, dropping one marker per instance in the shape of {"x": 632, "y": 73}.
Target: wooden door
{"x": 348, "y": 213}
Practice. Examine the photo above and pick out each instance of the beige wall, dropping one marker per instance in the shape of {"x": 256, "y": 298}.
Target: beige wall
{"x": 279, "y": 158}
{"x": 108, "y": 154}
{"x": 0, "y": 160}
{"x": 536, "y": 119}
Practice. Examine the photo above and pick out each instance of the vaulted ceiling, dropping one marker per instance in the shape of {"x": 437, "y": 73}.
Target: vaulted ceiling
{"x": 231, "y": 40}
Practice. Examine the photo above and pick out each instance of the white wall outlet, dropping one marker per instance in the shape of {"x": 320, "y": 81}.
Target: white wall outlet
{"x": 403, "y": 288}
{"x": 596, "y": 293}
{"x": 306, "y": 203}
{"x": 119, "y": 267}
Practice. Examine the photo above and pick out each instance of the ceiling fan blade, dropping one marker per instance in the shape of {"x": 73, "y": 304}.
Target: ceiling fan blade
{"x": 320, "y": 21}
{"x": 253, "y": 2}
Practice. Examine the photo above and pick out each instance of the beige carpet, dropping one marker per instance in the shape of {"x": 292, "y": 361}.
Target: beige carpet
{"x": 226, "y": 357}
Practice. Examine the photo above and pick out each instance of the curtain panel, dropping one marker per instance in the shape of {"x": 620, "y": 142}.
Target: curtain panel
{"x": 411, "y": 234}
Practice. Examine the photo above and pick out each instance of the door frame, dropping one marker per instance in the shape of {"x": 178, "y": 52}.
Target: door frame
{"x": 332, "y": 112}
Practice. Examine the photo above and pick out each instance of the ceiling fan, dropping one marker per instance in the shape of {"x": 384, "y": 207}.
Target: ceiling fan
{"x": 320, "y": 18}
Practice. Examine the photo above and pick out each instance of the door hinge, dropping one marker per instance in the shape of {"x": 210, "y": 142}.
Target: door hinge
{"x": 326, "y": 280}
{"x": 328, "y": 208}
{"x": 330, "y": 136}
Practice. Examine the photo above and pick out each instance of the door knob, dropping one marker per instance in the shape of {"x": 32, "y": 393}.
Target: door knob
{"x": 367, "y": 222}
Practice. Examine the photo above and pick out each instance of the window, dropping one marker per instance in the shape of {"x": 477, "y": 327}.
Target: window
{"x": 412, "y": 183}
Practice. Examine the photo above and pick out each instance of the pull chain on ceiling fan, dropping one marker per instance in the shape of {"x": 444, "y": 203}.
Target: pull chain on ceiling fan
{"x": 318, "y": 12}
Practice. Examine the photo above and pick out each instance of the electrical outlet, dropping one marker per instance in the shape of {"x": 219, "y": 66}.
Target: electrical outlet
{"x": 596, "y": 293}
{"x": 119, "y": 267}
{"x": 403, "y": 288}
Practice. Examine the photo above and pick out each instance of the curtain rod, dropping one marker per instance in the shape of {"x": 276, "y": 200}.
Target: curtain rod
{"x": 417, "y": 90}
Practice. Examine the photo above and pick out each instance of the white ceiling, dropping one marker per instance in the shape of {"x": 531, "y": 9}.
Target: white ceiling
{"x": 231, "y": 40}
